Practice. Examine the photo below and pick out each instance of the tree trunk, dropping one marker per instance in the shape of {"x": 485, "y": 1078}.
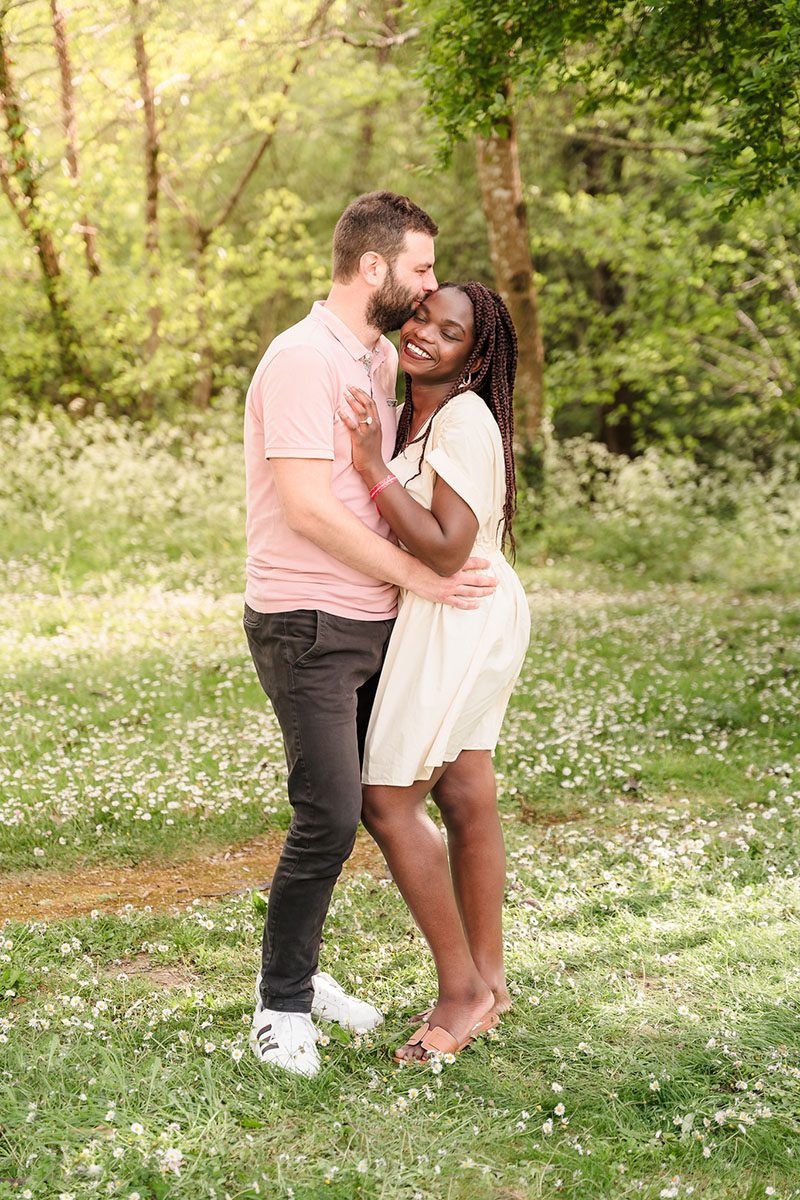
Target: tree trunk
{"x": 151, "y": 174}
{"x": 19, "y": 183}
{"x": 362, "y": 153}
{"x": 69, "y": 124}
{"x": 616, "y": 421}
{"x": 389, "y": 11}
{"x": 204, "y": 381}
{"x": 509, "y": 244}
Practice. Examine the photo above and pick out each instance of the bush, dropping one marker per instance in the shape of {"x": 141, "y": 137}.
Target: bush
{"x": 667, "y": 517}
{"x": 87, "y": 498}
{"x": 99, "y": 494}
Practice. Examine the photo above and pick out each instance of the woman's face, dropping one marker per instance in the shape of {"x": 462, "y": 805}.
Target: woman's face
{"x": 436, "y": 342}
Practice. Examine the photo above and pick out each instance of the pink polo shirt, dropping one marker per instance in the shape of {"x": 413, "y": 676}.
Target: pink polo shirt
{"x": 291, "y": 412}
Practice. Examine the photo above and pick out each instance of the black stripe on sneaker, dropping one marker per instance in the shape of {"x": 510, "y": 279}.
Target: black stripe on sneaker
{"x": 264, "y": 1040}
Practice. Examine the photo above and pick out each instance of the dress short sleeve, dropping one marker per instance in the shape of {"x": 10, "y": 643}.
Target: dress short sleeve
{"x": 463, "y": 453}
{"x": 297, "y": 392}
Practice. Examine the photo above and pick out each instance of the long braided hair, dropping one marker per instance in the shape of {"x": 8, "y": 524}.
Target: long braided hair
{"x": 493, "y": 380}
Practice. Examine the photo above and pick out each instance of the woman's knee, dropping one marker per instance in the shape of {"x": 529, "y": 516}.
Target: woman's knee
{"x": 385, "y": 809}
{"x": 464, "y": 804}
{"x": 376, "y": 810}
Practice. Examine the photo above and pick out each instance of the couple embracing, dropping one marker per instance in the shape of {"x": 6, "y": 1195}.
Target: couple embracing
{"x": 384, "y": 622}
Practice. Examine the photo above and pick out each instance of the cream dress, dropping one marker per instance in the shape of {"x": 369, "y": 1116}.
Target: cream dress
{"x": 449, "y": 673}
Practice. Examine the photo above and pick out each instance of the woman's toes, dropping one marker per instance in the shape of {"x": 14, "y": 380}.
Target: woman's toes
{"x": 409, "y": 1053}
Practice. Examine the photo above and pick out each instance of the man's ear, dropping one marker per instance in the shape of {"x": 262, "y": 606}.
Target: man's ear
{"x": 372, "y": 268}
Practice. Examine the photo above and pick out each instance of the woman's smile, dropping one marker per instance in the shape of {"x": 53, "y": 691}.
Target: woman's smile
{"x": 416, "y": 351}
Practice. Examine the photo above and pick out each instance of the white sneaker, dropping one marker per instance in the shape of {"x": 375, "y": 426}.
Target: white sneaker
{"x": 285, "y": 1039}
{"x": 332, "y": 1003}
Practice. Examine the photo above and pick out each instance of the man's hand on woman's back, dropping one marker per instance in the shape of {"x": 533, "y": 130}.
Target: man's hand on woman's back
{"x": 464, "y": 590}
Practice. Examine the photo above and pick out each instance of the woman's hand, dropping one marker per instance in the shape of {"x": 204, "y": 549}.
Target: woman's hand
{"x": 360, "y": 415}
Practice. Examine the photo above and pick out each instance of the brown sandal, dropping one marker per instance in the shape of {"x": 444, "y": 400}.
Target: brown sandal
{"x": 439, "y": 1041}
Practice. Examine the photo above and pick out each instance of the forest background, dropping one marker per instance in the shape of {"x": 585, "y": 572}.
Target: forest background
{"x": 172, "y": 173}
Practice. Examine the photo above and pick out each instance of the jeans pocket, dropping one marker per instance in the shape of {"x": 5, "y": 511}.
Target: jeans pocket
{"x": 303, "y": 633}
{"x": 250, "y": 618}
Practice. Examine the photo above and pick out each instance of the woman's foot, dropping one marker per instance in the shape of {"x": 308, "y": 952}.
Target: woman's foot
{"x": 458, "y": 1016}
{"x": 502, "y": 1003}
{"x": 502, "y": 999}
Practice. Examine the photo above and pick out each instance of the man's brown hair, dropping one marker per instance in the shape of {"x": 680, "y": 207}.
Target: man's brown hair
{"x": 377, "y": 222}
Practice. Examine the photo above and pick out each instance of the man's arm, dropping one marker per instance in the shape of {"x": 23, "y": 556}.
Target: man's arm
{"x": 311, "y": 509}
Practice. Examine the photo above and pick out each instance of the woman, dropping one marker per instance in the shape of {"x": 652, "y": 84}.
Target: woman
{"x": 448, "y": 493}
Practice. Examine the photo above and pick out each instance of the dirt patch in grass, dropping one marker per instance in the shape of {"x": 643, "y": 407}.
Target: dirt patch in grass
{"x": 143, "y": 967}
{"x": 53, "y": 895}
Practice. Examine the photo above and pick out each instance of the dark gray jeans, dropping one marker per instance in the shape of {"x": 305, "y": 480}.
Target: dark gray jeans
{"x": 321, "y": 673}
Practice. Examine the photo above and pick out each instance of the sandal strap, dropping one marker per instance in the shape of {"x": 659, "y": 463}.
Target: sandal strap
{"x": 439, "y": 1041}
{"x": 418, "y": 1035}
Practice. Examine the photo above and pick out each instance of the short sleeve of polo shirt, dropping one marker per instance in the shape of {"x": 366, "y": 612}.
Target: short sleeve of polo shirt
{"x": 463, "y": 456}
{"x": 298, "y": 396}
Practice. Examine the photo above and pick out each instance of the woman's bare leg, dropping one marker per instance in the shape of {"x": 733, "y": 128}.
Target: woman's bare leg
{"x": 466, "y": 795}
{"x": 414, "y": 849}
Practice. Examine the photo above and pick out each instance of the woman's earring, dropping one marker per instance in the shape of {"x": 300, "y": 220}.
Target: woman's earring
{"x": 466, "y": 382}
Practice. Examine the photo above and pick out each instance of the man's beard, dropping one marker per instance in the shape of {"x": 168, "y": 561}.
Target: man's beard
{"x": 392, "y": 304}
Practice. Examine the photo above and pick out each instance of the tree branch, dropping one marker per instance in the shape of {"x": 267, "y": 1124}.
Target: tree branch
{"x": 13, "y": 199}
{"x": 192, "y": 222}
{"x": 361, "y": 43}
{"x": 776, "y": 366}
{"x": 317, "y": 19}
{"x": 603, "y": 139}
{"x": 69, "y": 123}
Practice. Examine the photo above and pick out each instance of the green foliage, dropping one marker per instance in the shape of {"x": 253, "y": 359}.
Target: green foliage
{"x": 86, "y": 502}
{"x": 742, "y": 57}
{"x": 216, "y": 297}
{"x": 475, "y": 51}
{"x": 13, "y": 980}
{"x": 662, "y": 325}
{"x": 656, "y": 312}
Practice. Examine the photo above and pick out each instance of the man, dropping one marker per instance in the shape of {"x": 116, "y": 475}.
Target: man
{"x": 322, "y": 579}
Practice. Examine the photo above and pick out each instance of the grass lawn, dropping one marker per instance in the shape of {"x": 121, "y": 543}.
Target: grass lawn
{"x": 649, "y": 788}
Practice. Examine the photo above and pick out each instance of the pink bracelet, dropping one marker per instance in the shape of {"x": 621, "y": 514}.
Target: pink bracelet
{"x": 379, "y": 487}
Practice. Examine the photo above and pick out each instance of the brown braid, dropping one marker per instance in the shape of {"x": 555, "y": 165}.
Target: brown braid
{"x": 496, "y": 343}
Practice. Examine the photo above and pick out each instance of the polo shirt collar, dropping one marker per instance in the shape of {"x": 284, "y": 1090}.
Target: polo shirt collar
{"x": 343, "y": 334}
